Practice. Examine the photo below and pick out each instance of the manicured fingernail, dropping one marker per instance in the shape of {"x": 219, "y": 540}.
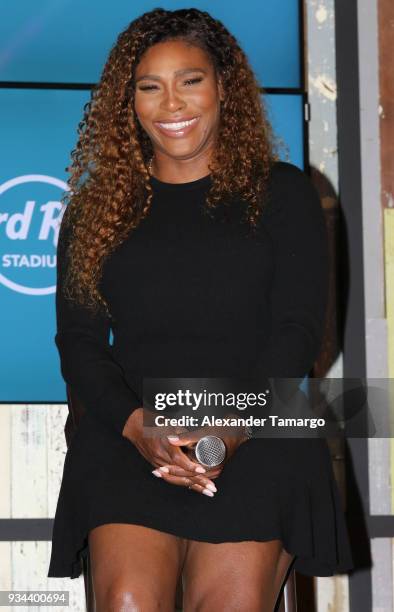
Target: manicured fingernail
{"x": 211, "y": 487}
{"x": 200, "y": 470}
{"x": 208, "y": 492}
{"x": 157, "y": 473}
{"x": 173, "y": 438}
{"x": 164, "y": 469}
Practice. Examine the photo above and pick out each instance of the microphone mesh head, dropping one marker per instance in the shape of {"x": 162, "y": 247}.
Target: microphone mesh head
{"x": 210, "y": 451}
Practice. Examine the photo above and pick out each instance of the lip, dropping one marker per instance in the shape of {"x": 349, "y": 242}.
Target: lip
{"x": 184, "y": 131}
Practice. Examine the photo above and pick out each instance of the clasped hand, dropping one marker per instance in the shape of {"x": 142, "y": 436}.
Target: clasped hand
{"x": 171, "y": 462}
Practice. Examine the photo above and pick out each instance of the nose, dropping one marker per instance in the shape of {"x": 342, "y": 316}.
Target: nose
{"x": 171, "y": 100}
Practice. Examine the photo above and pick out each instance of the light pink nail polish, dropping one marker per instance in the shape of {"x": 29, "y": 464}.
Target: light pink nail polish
{"x": 157, "y": 473}
{"x": 211, "y": 487}
{"x": 200, "y": 470}
{"x": 208, "y": 492}
{"x": 165, "y": 469}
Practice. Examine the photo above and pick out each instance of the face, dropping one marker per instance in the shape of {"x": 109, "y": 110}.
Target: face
{"x": 177, "y": 99}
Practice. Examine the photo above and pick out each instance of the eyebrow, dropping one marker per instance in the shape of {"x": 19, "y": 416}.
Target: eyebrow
{"x": 181, "y": 72}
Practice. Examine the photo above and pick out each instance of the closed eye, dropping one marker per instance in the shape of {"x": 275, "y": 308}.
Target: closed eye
{"x": 192, "y": 81}
{"x": 188, "y": 82}
{"x": 147, "y": 87}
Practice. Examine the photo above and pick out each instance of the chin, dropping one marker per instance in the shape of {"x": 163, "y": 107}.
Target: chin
{"x": 182, "y": 152}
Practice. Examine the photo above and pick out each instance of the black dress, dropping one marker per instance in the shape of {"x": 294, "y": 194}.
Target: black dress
{"x": 195, "y": 296}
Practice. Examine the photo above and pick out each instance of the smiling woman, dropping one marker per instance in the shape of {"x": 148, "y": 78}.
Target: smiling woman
{"x": 179, "y": 108}
{"x": 176, "y": 129}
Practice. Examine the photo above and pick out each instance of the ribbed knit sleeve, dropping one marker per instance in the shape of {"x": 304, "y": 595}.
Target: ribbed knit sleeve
{"x": 296, "y": 226}
{"x": 86, "y": 359}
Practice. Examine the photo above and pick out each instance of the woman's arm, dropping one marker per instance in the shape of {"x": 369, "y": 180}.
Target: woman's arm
{"x": 86, "y": 360}
{"x": 296, "y": 226}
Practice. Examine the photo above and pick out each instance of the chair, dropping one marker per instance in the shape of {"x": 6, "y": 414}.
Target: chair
{"x": 287, "y": 601}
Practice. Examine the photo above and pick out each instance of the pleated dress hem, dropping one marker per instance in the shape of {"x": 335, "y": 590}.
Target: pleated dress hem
{"x": 312, "y": 555}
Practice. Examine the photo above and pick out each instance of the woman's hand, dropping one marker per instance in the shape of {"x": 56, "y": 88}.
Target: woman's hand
{"x": 173, "y": 464}
{"x": 232, "y": 437}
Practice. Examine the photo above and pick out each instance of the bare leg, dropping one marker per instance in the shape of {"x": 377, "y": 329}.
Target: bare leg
{"x": 234, "y": 576}
{"x": 134, "y": 568}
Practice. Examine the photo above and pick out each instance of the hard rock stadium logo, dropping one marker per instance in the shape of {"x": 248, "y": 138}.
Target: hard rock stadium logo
{"x": 30, "y": 215}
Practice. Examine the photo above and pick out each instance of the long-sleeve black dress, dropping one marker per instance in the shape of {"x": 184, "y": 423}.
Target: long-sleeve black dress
{"x": 193, "y": 296}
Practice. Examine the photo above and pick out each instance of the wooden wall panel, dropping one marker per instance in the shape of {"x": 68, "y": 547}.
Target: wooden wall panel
{"x": 32, "y": 452}
{"x": 332, "y": 594}
{"x": 5, "y": 461}
{"x": 29, "y": 462}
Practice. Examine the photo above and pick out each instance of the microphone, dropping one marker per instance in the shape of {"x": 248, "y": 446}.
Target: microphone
{"x": 210, "y": 451}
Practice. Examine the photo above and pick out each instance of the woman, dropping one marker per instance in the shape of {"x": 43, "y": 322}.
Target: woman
{"x": 175, "y": 130}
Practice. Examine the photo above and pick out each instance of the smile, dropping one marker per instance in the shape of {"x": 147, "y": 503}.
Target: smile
{"x": 177, "y": 128}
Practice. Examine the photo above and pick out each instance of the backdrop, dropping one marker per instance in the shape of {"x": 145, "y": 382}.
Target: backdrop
{"x": 50, "y": 54}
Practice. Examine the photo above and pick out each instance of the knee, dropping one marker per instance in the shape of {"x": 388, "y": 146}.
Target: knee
{"x": 122, "y": 597}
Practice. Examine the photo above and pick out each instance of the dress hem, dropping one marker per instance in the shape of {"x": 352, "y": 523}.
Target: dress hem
{"x": 301, "y": 565}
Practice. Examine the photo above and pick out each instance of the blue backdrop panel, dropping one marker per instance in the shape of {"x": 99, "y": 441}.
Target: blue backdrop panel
{"x": 68, "y": 41}
{"x": 286, "y": 114}
{"x": 38, "y": 130}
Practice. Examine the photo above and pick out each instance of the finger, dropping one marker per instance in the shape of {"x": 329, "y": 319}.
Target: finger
{"x": 166, "y": 430}
{"x": 182, "y": 464}
{"x": 163, "y": 453}
{"x": 185, "y": 467}
{"x": 204, "y": 483}
{"x": 181, "y": 459}
{"x": 213, "y": 472}
{"x": 200, "y": 489}
{"x": 183, "y": 439}
{"x": 173, "y": 470}
{"x": 184, "y": 481}
{"x": 180, "y": 430}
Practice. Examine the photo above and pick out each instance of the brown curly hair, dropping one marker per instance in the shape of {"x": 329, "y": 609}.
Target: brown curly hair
{"x": 110, "y": 191}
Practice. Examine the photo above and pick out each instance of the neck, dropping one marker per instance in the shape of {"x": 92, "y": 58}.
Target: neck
{"x": 178, "y": 171}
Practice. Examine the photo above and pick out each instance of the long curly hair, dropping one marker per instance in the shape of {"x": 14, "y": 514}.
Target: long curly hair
{"x": 109, "y": 187}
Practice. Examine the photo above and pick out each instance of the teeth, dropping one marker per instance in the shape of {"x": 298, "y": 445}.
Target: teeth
{"x": 177, "y": 126}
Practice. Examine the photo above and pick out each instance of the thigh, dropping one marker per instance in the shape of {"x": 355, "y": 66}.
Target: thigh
{"x": 134, "y": 567}
{"x": 242, "y": 576}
